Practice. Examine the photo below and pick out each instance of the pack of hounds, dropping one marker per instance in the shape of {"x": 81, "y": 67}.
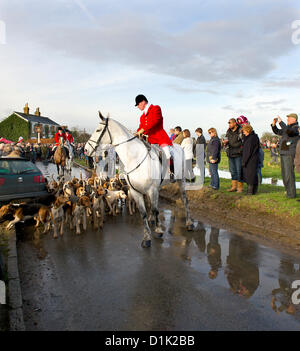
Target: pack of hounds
{"x": 73, "y": 203}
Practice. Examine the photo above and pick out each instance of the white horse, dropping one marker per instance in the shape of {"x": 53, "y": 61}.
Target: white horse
{"x": 145, "y": 171}
{"x": 69, "y": 162}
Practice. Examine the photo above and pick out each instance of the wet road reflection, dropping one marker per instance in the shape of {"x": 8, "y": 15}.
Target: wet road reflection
{"x": 208, "y": 279}
{"x": 49, "y": 170}
{"x": 282, "y": 296}
{"x": 242, "y": 271}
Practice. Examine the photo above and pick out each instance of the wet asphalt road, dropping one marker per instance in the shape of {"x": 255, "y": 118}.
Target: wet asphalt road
{"x": 208, "y": 279}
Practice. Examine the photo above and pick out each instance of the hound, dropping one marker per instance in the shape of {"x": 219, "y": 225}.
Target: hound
{"x": 57, "y": 214}
{"x": 112, "y": 198}
{"x": 131, "y": 203}
{"x": 20, "y": 212}
{"x": 44, "y": 217}
{"x": 68, "y": 189}
{"x": 98, "y": 207}
{"x": 80, "y": 191}
{"x": 81, "y": 209}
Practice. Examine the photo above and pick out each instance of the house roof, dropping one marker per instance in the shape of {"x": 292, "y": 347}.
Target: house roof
{"x": 36, "y": 119}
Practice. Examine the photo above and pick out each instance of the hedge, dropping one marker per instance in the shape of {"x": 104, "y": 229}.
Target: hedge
{"x": 13, "y": 127}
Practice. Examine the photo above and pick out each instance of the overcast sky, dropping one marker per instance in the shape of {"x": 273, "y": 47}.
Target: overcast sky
{"x": 202, "y": 61}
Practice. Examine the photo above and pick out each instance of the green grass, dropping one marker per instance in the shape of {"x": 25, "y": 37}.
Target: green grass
{"x": 270, "y": 198}
{"x": 82, "y": 162}
{"x": 268, "y": 171}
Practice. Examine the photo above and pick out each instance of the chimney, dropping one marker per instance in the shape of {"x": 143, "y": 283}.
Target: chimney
{"x": 26, "y": 109}
{"x": 37, "y": 112}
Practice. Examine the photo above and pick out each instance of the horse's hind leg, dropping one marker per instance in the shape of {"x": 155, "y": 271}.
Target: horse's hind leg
{"x": 189, "y": 222}
{"x": 57, "y": 166}
{"x": 139, "y": 199}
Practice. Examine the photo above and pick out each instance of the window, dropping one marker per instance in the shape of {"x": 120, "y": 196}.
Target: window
{"x": 4, "y": 167}
{"x": 18, "y": 167}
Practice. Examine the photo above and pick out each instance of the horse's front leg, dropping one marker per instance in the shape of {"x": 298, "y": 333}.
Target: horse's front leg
{"x": 139, "y": 199}
{"x": 154, "y": 196}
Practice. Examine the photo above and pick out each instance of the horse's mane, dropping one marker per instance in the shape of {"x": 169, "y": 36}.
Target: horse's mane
{"x": 122, "y": 125}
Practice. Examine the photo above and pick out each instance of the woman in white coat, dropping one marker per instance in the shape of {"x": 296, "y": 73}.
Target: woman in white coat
{"x": 187, "y": 145}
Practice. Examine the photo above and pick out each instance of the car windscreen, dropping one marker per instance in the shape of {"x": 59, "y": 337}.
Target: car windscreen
{"x": 18, "y": 166}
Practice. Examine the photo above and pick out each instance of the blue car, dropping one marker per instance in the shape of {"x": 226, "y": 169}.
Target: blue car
{"x": 20, "y": 179}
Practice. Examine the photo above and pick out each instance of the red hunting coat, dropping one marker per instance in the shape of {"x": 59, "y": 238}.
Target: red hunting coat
{"x": 57, "y": 136}
{"x": 70, "y": 138}
{"x": 152, "y": 123}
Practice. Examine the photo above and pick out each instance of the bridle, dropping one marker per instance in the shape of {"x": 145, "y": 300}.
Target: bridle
{"x": 100, "y": 137}
{"x": 96, "y": 143}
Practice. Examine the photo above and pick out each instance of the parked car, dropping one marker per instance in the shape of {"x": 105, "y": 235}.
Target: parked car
{"x": 20, "y": 178}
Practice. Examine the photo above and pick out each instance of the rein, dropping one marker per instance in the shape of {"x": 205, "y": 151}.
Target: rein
{"x": 114, "y": 145}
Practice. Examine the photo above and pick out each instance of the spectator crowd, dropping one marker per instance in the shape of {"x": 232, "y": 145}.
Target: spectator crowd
{"x": 245, "y": 153}
{"x": 36, "y": 152}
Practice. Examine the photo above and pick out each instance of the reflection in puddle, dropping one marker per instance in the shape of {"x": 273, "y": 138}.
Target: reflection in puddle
{"x": 261, "y": 275}
{"x": 282, "y": 296}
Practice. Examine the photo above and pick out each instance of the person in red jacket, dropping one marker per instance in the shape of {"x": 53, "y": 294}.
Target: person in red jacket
{"x": 69, "y": 136}
{"x": 60, "y": 136}
{"x": 151, "y": 124}
{"x": 69, "y": 141}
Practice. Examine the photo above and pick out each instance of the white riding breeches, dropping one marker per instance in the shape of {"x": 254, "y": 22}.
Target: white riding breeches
{"x": 168, "y": 150}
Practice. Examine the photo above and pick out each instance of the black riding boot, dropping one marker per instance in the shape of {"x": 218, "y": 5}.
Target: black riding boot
{"x": 171, "y": 168}
{"x": 67, "y": 152}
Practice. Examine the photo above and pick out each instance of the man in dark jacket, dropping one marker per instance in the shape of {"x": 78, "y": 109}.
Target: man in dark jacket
{"x": 233, "y": 144}
{"x": 289, "y": 137}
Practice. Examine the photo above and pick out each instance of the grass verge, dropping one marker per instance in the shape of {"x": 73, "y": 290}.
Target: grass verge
{"x": 268, "y": 171}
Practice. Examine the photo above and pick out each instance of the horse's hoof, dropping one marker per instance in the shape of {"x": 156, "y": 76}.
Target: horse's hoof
{"x": 146, "y": 244}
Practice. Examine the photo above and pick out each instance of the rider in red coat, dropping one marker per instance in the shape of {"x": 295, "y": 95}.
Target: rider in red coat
{"x": 151, "y": 124}
{"x": 58, "y": 135}
{"x": 69, "y": 136}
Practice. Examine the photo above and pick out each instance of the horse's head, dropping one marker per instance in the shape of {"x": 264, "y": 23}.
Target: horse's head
{"x": 101, "y": 137}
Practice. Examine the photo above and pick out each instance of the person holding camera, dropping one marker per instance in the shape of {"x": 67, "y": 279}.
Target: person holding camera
{"x": 289, "y": 137}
